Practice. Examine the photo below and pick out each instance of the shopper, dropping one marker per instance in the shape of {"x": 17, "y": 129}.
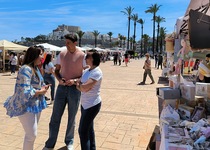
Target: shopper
{"x": 147, "y": 70}
{"x": 28, "y": 99}
{"x": 13, "y": 62}
{"x": 69, "y": 68}
{"x": 49, "y": 78}
{"x": 89, "y": 85}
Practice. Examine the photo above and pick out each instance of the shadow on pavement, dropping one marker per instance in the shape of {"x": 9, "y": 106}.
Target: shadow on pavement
{"x": 62, "y": 148}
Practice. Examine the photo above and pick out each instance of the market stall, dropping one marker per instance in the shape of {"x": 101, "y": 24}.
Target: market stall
{"x": 6, "y": 45}
{"x": 184, "y": 105}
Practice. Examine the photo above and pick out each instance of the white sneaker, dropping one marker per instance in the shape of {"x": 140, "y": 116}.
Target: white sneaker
{"x": 70, "y": 147}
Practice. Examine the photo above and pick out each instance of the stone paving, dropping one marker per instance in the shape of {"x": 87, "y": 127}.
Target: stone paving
{"x": 126, "y": 121}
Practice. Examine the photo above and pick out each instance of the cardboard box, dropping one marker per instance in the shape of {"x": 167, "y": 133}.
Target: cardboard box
{"x": 202, "y": 89}
{"x": 168, "y": 93}
{"x": 188, "y": 91}
{"x": 164, "y": 102}
{"x": 185, "y": 112}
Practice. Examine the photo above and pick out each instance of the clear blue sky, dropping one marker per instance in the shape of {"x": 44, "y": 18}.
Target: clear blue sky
{"x": 29, "y": 18}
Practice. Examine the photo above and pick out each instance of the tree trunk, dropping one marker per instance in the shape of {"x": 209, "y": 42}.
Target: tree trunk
{"x": 153, "y": 39}
{"x": 157, "y": 37}
{"x": 128, "y": 32}
{"x": 142, "y": 39}
{"x": 134, "y": 36}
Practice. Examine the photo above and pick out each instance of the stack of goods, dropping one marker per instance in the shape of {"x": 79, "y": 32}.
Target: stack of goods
{"x": 184, "y": 134}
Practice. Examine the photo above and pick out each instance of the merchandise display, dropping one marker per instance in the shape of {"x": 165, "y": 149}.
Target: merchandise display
{"x": 184, "y": 123}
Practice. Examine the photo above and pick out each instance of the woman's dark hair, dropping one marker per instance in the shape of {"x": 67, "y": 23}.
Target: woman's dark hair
{"x": 47, "y": 60}
{"x": 71, "y": 37}
{"x": 208, "y": 55}
{"x": 95, "y": 55}
{"x": 12, "y": 53}
{"x": 31, "y": 55}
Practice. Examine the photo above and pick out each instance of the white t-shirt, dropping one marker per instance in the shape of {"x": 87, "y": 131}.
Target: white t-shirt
{"x": 92, "y": 97}
{"x": 13, "y": 60}
{"x": 48, "y": 67}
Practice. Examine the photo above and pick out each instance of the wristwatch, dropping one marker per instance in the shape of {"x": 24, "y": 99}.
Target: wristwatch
{"x": 75, "y": 81}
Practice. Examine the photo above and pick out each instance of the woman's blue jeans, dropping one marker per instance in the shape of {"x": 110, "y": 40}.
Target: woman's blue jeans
{"x": 50, "y": 79}
{"x": 12, "y": 68}
{"x": 64, "y": 95}
{"x": 86, "y": 127}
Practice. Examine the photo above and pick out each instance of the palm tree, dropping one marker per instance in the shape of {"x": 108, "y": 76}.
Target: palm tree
{"x": 96, "y": 33}
{"x": 121, "y": 38}
{"x": 131, "y": 41}
{"x": 146, "y": 42}
{"x": 158, "y": 19}
{"x": 128, "y": 11}
{"x": 135, "y": 18}
{"x": 80, "y": 34}
{"x": 162, "y": 37}
{"x": 110, "y": 38}
{"x": 153, "y": 10}
{"x": 142, "y": 29}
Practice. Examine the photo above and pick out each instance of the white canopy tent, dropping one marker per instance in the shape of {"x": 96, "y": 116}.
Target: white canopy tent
{"x": 80, "y": 48}
{"x": 99, "y": 49}
{"x": 6, "y": 45}
{"x": 86, "y": 48}
{"x": 50, "y": 47}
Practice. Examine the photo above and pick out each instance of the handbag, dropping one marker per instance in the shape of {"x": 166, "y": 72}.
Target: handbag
{"x": 199, "y": 30}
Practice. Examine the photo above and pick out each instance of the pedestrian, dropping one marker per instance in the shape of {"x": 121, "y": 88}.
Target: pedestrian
{"x": 49, "y": 78}
{"x": 156, "y": 60}
{"x": 13, "y": 62}
{"x": 28, "y": 99}
{"x": 147, "y": 70}
{"x": 69, "y": 68}
{"x": 160, "y": 61}
{"x": 115, "y": 58}
{"x": 126, "y": 59}
{"x": 89, "y": 85}
{"x": 21, "y": 58}
{"x": 119, "y": 58}
{"x": 43, "y": 58}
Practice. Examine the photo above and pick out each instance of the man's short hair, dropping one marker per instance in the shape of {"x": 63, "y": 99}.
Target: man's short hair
{"x": 208, "y": 55}
{"x": 147, "y": 54}
{"x": 72, "y": 37}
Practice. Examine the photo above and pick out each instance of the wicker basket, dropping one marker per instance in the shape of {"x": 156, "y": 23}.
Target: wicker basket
{"x": 169, "y": 44}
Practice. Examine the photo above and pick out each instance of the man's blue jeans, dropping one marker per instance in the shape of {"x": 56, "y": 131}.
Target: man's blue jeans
{"x": 86, "y": 127}
{"x": 64, "y": 95}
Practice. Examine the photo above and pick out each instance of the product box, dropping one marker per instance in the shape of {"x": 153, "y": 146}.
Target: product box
{"x": 203, "y": 89}
{"x": 185, "y": 112}
{"x": 162, "y": 103}
{"x": 188, "y": 91}
{"x": 168, "y": 93}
